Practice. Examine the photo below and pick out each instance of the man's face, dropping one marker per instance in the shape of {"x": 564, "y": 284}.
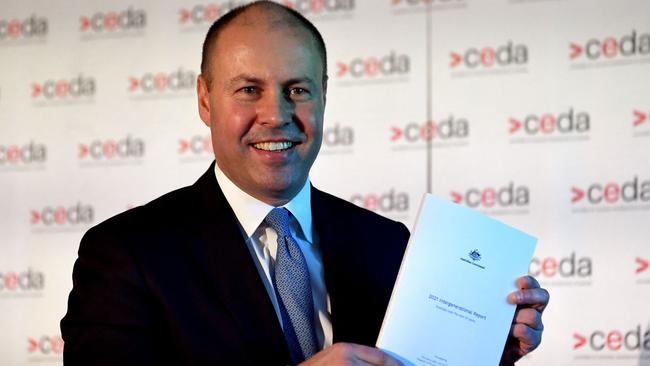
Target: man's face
{"x": 265, "y": 108}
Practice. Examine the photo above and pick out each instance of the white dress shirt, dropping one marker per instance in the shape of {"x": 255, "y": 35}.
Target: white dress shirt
{"x": 262, "y": 243}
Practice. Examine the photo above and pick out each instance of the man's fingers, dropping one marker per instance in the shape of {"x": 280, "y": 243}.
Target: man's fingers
{"x": 525, "y": 282}
{"x": 356, "y": 354}
{"x": 528, "y": 337}
{"x": 536, "y": 298}
{"x": 529, "y": 294}
{"x": 374, "y": 356}
{"x": 530, "y": 317}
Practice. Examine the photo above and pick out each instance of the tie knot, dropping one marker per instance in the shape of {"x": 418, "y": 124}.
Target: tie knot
{"x": 278, "y": 219}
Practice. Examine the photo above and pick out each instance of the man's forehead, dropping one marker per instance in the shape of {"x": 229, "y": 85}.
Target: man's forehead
{"x": 263, "y": 38}
{"x": 278, "y": 44}
{"x": 265, "y": 16}
{"x": 242, "y": 59}
{"x": 267, "y": 38}
{"x": 260, "y": 22}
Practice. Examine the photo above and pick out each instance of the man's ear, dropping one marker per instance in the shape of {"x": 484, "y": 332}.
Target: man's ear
{"x": 325, "y": 78}
{"x": 203, "y": 95}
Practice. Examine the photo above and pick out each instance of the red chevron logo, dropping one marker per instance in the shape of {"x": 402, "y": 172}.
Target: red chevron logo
{"x": 640, "y": 117}
{"x": 455, "y": 59}
{"x": 580, "y": 340}
{"x": 37, "y": 89}
{"x": 183, "y": 146}
{"x": 133, "y": 83}
{"x": 642, "y": 265}
{"x": 32, "y": 345}
{"x": 83, "y": 151}
{"x": 576, "y": 51}
{"x": 84, "y": 23}
{"x": 396, "y": 133}
{"x": 578, "y": 194}
{"x": 515, "y": 125}
{"x": 36, "y": 217}
{"x": 342, "y": 69}
{"x": 184, "y": 16}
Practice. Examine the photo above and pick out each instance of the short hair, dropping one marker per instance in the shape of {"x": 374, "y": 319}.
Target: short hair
{"x": 220, "y": 24}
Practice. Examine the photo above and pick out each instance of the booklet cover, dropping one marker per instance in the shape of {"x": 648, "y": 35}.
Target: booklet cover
{"x": 449, "y": 304}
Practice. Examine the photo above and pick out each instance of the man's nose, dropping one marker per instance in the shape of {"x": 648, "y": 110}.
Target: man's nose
{"x": 274, "y": 110}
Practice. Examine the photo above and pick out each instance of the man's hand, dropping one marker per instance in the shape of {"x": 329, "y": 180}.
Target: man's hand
{"x": 350, "y": 354}
{"x": 526, "y": 330}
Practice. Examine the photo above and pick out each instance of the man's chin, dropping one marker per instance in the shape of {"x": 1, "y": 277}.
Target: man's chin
{"x": 278, "y": 189}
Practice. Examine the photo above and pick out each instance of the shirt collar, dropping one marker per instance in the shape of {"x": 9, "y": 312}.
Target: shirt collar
{"x": 251, "y": 212}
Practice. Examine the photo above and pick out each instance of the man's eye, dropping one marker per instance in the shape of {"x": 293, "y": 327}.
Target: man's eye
{"x": 248, "y": 89}
{"x": 298, "y": 92}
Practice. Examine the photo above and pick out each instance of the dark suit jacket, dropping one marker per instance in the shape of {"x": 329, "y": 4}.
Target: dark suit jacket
{"x": 173, "y": 282}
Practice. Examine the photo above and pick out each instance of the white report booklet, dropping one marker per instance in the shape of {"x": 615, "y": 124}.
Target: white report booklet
{"x": 449, "y": 304}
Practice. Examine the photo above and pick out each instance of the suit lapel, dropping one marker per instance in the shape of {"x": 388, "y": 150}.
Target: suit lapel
{"x": 360, "y": 268}
{"x": 333, "y": 230}
{"x": 225, "y": 257}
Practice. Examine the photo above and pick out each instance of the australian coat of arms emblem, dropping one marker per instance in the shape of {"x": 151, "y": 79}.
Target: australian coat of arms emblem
{"x": 475, "y": 255}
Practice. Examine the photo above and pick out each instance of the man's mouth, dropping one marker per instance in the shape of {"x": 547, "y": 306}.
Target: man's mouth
{"x": 274, "y": 146}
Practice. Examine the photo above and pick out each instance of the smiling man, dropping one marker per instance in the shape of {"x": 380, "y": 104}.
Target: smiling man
{"x": 251, "y": 265}
{"x": 262, "y": 93}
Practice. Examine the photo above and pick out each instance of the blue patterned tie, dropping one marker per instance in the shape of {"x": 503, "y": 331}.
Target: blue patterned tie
{"x": 293, "y": 289}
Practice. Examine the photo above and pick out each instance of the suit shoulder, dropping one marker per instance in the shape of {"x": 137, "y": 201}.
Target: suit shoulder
{"x": 350, "y": 212}
{"x": 167, "y": 207}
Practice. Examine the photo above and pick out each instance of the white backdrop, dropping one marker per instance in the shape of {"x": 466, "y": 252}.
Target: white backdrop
{"x": 538, "y": 114}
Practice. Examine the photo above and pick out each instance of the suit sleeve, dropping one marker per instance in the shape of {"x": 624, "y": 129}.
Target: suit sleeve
{"x": 110, "y": 317}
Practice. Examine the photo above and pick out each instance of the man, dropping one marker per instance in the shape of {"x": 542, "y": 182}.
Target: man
{"x": 251, "y": 265}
